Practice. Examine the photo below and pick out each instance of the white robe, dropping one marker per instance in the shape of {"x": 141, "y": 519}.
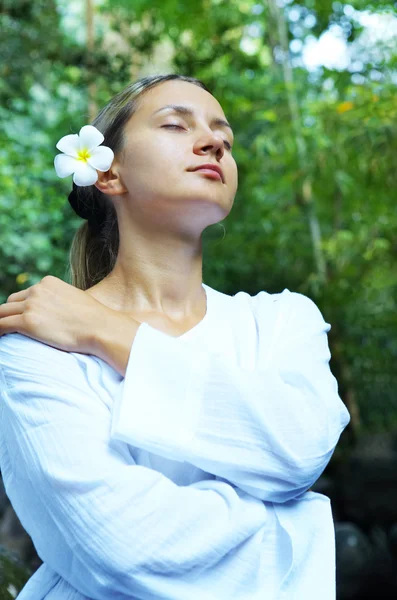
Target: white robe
{"x": 188, "y": 478}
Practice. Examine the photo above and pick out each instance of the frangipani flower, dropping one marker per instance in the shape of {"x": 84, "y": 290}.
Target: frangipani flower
{"x": 83, "y": 156}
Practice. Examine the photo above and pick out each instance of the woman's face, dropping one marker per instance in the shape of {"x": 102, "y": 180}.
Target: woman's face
{"x": 163, "y": 147}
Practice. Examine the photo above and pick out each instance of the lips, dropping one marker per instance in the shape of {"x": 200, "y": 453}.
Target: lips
{"x": 212, "y": 167}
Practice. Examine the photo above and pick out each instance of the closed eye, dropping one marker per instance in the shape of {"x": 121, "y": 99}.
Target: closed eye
{"x": 227, "y": 144}
{"x": 177, "y": 126}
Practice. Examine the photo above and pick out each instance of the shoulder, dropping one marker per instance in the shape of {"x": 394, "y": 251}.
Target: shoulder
{"x": 242, "y": 298}
{"x": 15, "y": 346}
{"x": 25, "y": 359}
{"x": 288, "y": 310}
{"x": 292, "y": 303}
{"x": 286, "y": 314}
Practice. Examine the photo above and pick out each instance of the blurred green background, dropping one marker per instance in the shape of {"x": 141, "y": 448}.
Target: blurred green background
{"x": 309, "y": 87}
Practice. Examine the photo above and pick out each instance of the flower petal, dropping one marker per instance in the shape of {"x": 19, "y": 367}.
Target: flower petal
{"x": 65, "y": 165}
{"x": 69, "y": 144}
{"x": 84, "y": 174}
{"x": 101, "y": 158}
{"x": 90, "y": 137}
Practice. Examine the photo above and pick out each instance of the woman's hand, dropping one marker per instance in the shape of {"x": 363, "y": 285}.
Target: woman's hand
{"x": 57, "y": 314}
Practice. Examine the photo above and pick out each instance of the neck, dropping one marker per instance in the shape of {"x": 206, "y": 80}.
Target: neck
{"x": 162, "y": 277}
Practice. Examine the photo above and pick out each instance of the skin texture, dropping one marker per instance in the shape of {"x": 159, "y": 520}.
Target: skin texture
{"x": 162, "y": 207}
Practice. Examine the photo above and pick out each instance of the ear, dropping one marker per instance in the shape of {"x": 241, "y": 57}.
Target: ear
{"x": 110, "y": 183}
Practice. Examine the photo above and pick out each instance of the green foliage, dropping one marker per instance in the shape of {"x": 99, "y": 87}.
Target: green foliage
{"x": 13, "y": 574}
{"x": 331, "y": 164}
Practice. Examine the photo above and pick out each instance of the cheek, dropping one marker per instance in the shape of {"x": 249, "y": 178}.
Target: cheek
{"x": 153, "y": 156}
{"x": 155, "y": 168}
{"x": 138, "y": 158}
{"x": 233, "y": 176}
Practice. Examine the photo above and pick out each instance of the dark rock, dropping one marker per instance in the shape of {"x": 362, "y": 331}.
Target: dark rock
{"x": 379, "y": 580}
{"x": 368, "y": 482}
{"x": 353, "y": 553}
{"x": 393, "y": 540}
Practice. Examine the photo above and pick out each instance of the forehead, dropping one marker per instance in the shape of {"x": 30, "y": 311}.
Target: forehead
{"x": 179, "y": 92}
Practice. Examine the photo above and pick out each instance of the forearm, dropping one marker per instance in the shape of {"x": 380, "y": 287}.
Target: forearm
{"x": 113, "y": 339}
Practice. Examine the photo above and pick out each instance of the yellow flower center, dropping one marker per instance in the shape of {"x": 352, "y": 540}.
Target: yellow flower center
{"x": 83, "y": 155}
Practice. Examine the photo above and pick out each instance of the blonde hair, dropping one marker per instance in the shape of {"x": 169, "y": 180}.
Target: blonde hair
{"x": 95, "y": 245}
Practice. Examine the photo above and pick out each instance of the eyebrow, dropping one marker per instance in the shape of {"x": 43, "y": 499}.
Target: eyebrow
{"x": 184, "y": 110}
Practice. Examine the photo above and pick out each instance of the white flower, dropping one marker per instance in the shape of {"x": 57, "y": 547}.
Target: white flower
{"x": 83, "y": 156}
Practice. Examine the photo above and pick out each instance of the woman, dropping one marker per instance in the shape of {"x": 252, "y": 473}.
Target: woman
{"x": 158, "y": 436}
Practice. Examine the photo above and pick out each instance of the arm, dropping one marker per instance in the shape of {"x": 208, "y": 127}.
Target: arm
{"x": 111, "y": 528}
{"x": 271, "y": 431}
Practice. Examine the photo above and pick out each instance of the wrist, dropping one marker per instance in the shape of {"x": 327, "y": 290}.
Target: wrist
{"x": 113, "y": 339}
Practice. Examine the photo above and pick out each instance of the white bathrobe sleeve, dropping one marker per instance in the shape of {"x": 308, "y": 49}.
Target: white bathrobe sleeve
{"x": 270, "y": 431}
{"x": 111, "y": 528}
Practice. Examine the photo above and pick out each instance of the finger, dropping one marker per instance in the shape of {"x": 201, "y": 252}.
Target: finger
{"x": 49, "y": 278}
{"x": 10, "y": 325}
{"x": 11, "y": 308}
{"x": 18, "y": 296}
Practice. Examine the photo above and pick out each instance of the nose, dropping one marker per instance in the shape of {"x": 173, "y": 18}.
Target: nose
{"x": 210, "y": 143}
